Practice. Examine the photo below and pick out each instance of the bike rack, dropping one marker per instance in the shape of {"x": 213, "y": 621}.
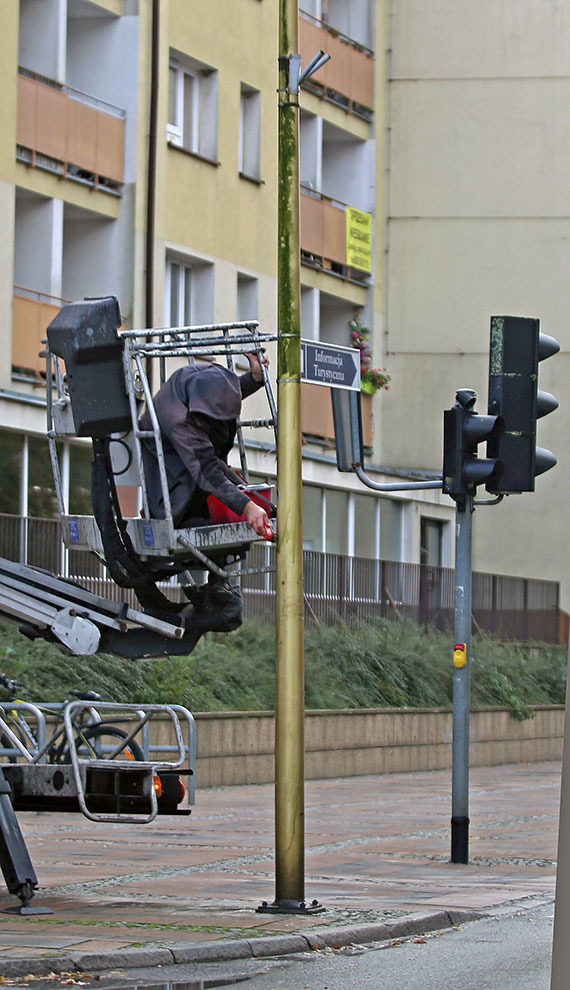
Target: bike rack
{"x": 40, "y": 733}
{"x": 36, "y": 776}
{"x": 149, "y": 769}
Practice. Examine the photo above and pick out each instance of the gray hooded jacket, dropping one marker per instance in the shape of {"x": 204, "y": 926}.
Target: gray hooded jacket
{"x": 197, "y": 409}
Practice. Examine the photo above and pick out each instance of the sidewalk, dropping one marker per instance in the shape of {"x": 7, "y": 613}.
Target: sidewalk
{"x": 377, "y": 852}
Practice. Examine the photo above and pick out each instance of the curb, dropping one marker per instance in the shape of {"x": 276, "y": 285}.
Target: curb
{"x": 227, "y": 949}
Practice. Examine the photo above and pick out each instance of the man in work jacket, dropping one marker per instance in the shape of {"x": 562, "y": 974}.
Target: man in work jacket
{"x": 197, "y": 409}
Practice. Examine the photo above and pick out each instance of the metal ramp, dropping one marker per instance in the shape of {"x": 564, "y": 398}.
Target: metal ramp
{"x": 81, "y": 622}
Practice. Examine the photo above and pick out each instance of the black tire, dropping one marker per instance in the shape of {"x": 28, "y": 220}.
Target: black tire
{"x": 104, "y": 735}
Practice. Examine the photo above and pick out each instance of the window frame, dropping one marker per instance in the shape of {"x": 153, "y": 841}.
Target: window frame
{"x": 185, "y": 305}
{"x": 201, "y": 137}
{"x": 175, "y": 131}
{"x": 249, "y": 140}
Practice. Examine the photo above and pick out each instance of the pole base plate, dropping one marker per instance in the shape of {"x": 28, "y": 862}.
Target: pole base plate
{"x": 26, "y": 909}
{"x": 290, "y": 907}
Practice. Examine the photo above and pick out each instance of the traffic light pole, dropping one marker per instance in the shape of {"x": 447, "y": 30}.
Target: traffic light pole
{"x": 461, "y": 682}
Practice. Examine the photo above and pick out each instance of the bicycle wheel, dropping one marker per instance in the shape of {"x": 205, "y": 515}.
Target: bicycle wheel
{"x": 97, "y": 742}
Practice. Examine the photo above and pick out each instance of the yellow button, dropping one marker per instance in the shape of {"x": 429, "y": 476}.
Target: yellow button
{"x": 460, "y": 654}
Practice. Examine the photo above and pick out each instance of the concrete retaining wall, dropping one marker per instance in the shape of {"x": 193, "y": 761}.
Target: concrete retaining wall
{"x": 238, "y": 747}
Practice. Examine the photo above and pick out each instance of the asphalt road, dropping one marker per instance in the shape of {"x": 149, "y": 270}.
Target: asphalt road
{"x": 512, "y": 953}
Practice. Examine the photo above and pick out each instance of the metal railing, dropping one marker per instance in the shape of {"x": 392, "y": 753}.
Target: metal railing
{"x": 354, "y": 590}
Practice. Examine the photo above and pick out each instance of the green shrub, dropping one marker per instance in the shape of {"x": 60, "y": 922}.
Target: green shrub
{"x": 385, "y": 665}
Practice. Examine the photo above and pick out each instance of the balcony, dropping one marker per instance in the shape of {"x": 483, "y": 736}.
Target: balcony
{"x": 32, "y": 312}
{"x": 317, "y": 418}
{"x": 323, "y": 236}
{"x": 63, "y": 131}
{"x": 347, "y": 79}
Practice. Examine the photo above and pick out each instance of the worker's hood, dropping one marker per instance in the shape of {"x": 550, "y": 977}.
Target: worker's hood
{"x": 212, "y": 390}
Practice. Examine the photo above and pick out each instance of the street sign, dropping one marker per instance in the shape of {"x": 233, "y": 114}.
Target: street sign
{"x": 325, "y": 364}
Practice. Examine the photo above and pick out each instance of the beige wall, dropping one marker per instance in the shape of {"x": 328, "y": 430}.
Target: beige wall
{"x": 209, "y": 207}
{"x": 478, "y": 225}
{"x": 238, "y": 748}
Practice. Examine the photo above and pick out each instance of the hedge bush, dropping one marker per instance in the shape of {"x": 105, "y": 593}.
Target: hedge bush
{"x": 388, "y": 665}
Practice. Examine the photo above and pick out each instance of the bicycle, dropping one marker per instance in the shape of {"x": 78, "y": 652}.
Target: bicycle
{"x": 92, "y": 737}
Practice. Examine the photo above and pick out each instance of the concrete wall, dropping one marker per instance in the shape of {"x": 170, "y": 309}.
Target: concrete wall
{"x": 238, "y": 748}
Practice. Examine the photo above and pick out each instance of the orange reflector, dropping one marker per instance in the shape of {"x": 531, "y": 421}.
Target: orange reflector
{"x": 157, "y": 786}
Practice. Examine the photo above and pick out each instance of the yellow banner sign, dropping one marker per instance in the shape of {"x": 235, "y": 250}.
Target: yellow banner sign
{"x": 358, "y": 239}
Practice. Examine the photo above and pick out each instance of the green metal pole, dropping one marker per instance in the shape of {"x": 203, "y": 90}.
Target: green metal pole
{"x": 290, "y": 686}
{"x": 290, "y": 661}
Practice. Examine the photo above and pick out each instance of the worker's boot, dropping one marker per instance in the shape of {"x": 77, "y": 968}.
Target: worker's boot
{"x": 216, "y": 606}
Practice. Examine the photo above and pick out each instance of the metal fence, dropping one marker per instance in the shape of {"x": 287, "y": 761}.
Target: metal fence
{"x": 350, "y": 589}
{"x": 357, "y": 590}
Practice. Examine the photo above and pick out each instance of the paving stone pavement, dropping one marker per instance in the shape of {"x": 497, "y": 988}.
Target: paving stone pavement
{"x": 377, "y": 854}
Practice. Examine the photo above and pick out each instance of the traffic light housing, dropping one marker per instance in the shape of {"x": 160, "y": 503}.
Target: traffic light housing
{"x": 463, "y": 430}
{"x": 516, "y": 347}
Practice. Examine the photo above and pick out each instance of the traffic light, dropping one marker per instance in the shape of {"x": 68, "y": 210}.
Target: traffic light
{"x": 462, "y": 431}
{"x": 515, "y": 350}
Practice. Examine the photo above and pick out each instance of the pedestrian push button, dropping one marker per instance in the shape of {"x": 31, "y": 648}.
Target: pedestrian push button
{"x": 460, "y": 654}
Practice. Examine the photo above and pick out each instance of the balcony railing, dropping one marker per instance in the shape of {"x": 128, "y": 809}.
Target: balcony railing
{"x": 323, "y": 235}
{"x": 354, "y": 590}
{"x": 31, "y": 314}
{"x": 70, "y": 133}
{"x": 323, "y": 227}
{"x": 347, "y": 78}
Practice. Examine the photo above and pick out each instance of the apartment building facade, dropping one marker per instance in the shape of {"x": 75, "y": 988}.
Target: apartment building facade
{"x": 140, "y": 160}
{"x": 478, "y": 225}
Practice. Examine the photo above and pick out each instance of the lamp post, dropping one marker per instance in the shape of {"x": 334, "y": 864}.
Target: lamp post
{"x": 290, "y": 673}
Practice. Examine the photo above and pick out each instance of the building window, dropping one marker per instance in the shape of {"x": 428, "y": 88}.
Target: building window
{"x": 336, "y": 515}
{"x": 188, "y": 292}
{"x": 431, "y": 542}
{"x": 178, "y": 296}
{"x": 193, "y": 107}
{"x": 80, "y": 458}
{"x": 365, "y": 526}
{"x": 249, "y": 133}
{"x": 312, "y": 518}
{"x": 11, "y": 454}
{"x": 391, "y": 529}
{"x": 247, "y": 287}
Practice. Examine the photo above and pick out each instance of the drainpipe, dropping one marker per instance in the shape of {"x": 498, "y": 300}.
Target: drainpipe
{"x": 151, "y": 176}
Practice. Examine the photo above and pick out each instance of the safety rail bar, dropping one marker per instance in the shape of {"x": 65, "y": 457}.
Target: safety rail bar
{"x": 138, "y": 348}
{"x": 127, "y": 765}
{"x": 37, "y": 751}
